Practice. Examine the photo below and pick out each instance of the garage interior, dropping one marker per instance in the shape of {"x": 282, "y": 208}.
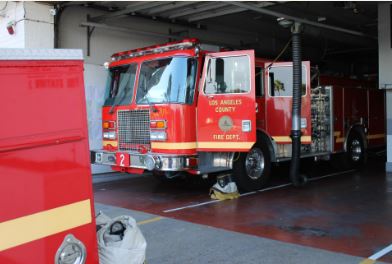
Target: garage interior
{"x": 340, "y": 216}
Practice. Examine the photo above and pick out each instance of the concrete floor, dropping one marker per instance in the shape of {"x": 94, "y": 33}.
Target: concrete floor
{"x": 342, "y": 218}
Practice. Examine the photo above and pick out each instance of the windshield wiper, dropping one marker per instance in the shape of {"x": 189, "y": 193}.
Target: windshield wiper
{"x": 152, "y": 107}
{"x": 145, "y": 97}
{"x": 120, "y": 98}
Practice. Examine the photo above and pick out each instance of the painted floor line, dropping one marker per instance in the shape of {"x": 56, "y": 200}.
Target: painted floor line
{"x": 254, "y": 192}
{"x": 155, "y": 219}
{"x": 274, "y": 187}
{"x": 381, "y": 253}
{"x": 190, "y": 206}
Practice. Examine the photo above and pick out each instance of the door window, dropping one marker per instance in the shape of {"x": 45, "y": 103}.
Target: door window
{"x": 227, "y": 75}
{"x": 281, "y": 81}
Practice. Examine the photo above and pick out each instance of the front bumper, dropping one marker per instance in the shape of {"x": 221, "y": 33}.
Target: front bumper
{"x": 149, "y": 161}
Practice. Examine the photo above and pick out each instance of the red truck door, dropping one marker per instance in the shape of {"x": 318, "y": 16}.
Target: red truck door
{"x": 279, "y": 93}
{"x": 226, "y": 113}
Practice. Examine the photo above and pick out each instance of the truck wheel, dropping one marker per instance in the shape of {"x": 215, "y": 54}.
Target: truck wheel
{"x": 356, "y": 153}
{"x": 251, "y": 170}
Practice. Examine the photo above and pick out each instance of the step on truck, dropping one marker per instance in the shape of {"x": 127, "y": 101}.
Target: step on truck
{"x": 47, "y": 209}
{"x": 176, "y": 109}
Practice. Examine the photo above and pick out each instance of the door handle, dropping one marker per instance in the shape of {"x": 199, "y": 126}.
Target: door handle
{"x": 257, "y": 108}
{"x": 210, "y": 96}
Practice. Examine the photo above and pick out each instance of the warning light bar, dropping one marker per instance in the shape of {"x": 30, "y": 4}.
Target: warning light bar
{"x": 178, "y": 45}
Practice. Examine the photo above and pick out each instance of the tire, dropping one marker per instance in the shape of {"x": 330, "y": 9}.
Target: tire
{"x": 356, "y": 155}
{"x": 252, "y": 170}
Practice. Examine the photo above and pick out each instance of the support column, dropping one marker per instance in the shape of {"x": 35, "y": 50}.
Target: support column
{"x": 388, "y": 111}
{"x": 384, "y": 68}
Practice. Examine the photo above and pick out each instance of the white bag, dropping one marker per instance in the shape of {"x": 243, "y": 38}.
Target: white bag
{"x": 116, "y": 249}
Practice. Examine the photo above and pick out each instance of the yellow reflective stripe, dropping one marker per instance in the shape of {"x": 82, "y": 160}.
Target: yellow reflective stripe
{"x": 288, "y": 139}
{"x": 225, "y": 145}
{"x": 194, "y": 145}
{"x": 39, "y": 225}
{"x": 171, "y": 145}
{"x": 376, "y": 136}
{"x": 337, "y": 133}
{"x": 113, "y": 143}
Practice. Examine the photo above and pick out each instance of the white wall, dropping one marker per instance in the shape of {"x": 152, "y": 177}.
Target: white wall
{"x": 39, "y": 26}
{"x": 95, "y": 82}
{"x": 33, "y": 25}
{"x": 103, "y": 42}
{"x": 12, "y": 11}
{"x": 385, "y": 66}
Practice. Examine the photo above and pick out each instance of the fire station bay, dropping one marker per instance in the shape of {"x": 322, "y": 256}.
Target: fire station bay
{"x": 163, "y": 132}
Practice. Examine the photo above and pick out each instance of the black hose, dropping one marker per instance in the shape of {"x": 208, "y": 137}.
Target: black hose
{"x": 296, "y": 178}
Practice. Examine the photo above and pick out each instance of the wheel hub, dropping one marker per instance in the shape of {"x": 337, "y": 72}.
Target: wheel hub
{"x": 356, "y": 150}
{"x": 254, "y": 164}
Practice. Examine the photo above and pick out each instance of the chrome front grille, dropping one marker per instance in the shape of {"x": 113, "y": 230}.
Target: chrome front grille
{"x": 133, "y": 129}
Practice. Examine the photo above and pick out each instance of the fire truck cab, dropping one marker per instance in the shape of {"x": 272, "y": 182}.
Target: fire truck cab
{"x": 174, "y": 109}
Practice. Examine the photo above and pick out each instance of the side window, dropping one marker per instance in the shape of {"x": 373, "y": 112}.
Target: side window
{"x": 228, "y": 75}
{"x": 259, "y": 81}
{"x": 281, "y": 81}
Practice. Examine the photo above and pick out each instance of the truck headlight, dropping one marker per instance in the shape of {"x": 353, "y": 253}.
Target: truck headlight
{"x": 158, "y": 135}
{"x": 71, "y": 251}
{"x": 109, "y": 135}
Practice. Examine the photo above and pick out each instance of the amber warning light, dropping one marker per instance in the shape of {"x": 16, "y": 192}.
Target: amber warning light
{"x": 158, "y": 124}
{"x": 109, "y": 125}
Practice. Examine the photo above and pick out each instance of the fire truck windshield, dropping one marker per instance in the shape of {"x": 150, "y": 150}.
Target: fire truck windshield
{"x": 120, "y": 85}
{"x": 168, "y": 80}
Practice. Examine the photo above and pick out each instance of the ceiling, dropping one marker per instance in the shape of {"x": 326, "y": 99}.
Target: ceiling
{"x": 333, "y": 32}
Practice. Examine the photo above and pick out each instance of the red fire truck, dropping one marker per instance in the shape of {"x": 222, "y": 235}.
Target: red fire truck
{"x": 47, "y": 210}
{"x": 175, "y": 108}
